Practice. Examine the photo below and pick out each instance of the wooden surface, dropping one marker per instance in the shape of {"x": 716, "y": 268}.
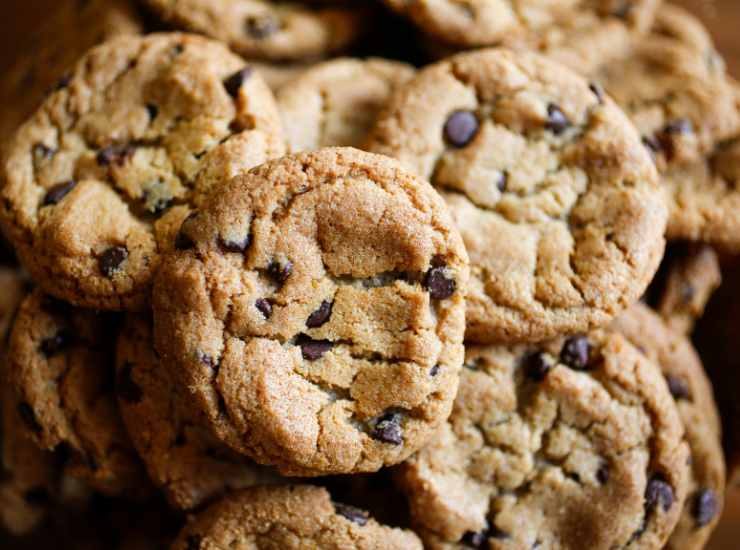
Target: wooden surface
{"x": 721, "y": 16}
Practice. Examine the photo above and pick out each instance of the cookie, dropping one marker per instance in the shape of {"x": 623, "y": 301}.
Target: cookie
{"x": 693, "y": 394}
{"x": 472, "y": 23}
{"x": 555, "y": 196}
{"x": 336, "y": 103}
{"x": 574, "y": 444}
{"x": 101, "y": 176}
{"x": 299, "y": 516}
{"x": 317, "y": 314}
{"x": 182, "y": 458}
{"x": 55, "y": 45}
{"x": 277, "y": 75}
{"x": 60, "y": 363}
{"x": 265, "y": 29}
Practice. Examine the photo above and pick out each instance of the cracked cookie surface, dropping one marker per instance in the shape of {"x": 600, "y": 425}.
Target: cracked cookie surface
{"x": 317, "y": 315}
{"x": 575, "y": 444}
{"x": 336, "y": 103}
{"x": 555, "y": 196}
{"x": 182, "y": 457}
{"x": 694, "y": 397}
{"x": 299, "y": 516}
{"x": 61, "y": 366}
{"x": 264, "y": 29}
{"x": 102, "y": 175}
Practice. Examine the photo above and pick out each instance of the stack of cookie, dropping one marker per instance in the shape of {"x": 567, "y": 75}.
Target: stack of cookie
{"x": 288, "y": 301}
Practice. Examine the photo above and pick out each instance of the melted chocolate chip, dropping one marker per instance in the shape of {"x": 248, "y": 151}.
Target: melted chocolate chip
{"x": 55, "y": 344}
{"x": 264, "y": 307}
{"x": 388, "y": 429}
{"x": 280, "y": 272}
{"x": 55, "y": 194}
{"x": 152, "y": 110}
{"x": 438, "y": 284}
{"x": 557, "y": 122}
{"x": 434, "y": 371}
{"x": 193, "y": 542}
{"x": 598, "y": 91}
{"x": 313, "y": 349}
{"x": 321, "y": 315}
{"x": 537, "y": 366}
{"x": 460, "y": 128}
{"x": 678, "y": 387}
{"x": 110, "y": 261}
{"x": 28, "y": 416}
{"x": 355, "y": 515}
{"x": 705, "y": 507}
{"x": 237, "y": 247}
{"x": 602, "y": 474}
{"x": 115, "y": 154}
{"x": 234, "y": 83}
{"x": 261, "y": 27}
{"x": 126, "y": 389}
{"x": 575, "y": 353}
{"x": 37, "y": 496}
{"x": 183, "y": 242}
{"x": 658, "y": 493}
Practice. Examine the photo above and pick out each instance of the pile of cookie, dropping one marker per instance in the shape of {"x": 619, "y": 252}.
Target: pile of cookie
{"x": 415, "y": 296}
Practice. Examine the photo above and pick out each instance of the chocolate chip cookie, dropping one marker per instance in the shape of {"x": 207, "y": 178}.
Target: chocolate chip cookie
{"x": 689, "y": 386}
{"x": 336, "y": 103}
{"x": 573, "y": 444}
{"x": 182, "y": 457}
{"x": 61, "y": 365}
{"x": 556, "y": 198}
{"x": 299, "y": 516}
{"x": 100, "y": 178}
{"x": 55, "y": 45}
{"x": 266, "y": 29}
{"x": 317, "y": 314}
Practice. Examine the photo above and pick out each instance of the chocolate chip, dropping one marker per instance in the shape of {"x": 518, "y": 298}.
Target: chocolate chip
{"x": 234, "y": 83}
{"x": 321, "y": 315}
{"x": 206, "y": 359}
{"x": 28, "y": 416}
{"x": 152, "y": 110}
{"x": 355, "y": 515}
{"x": 63, "y": 82}
{"x": 183, "y": 242}
{"x": 41, "y": 152}
{"x": 313, "y": 349}
{"x": 575, "y": 352}
{"x": 460, "y": 128}
{"x": 679, "y": 126}
{"x": 115, "y": 154}
{"x": 602, "y": 474}
{"x": 55, "y": 194}
{"x": 678, "y": 387}
{"x": 178, "y": 49}
{"x": 126, "y": 388}
{"x": 110, "y": 261}
{"x": 434, "y": 371}
{"x": 475, "y": 540}
{"x": 687, "y": 293}
{"x": 598, "y": 91}
{"x": 658, "y": 492}
{"x": 280, "y": 272}
{"x": 193, "y": 542}
{"x": 623, "y": 9}
{"x": 388, "y": 429}
{"x": 261, "y": 26}
{"x": 705, "y": 507}
{"x": 55, "y": 344}
{"x": 264, "y": 307}
{"x": 652, "y": 144}
{"x": 537, "y": 366}
{"x": 235, "y": 246}
{"x": 438, "y": 284}
{"x": 503, "y": 180}
{"x": 37, "y": 496}
{"x": 557, "y": 122}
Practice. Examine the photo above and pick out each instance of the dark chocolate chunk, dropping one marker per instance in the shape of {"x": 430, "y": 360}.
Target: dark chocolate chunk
{"x": 537, "y": 366}
{"x": 659, "y": 493}
{"x": 460, "y": 128}
{"x": 355, "y": 515}
{"x": 388, "y": 429}
{"x": 678, "y": 387}
{"x": 705, "y": 507}
{"x": 264, "y": 307}
{"x": 557, "y": 122}
{"x": 56, "y": 193}
{"x": 576, "y": 352}
{"x": 261, "y": 26}
{"x": 321, "y": 315}
{"x": 439, "y": 285}
{"x": 313, "y": 349}
{"x": 280, "y": 272}
{"x": 115, "y": 154}
{"x": 234, "y": 83}
{"x": 110, "y": 261}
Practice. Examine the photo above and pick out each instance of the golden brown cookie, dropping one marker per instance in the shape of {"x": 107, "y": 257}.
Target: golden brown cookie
{"x": 316, "y": 312}
{"x": 556, "y": 198}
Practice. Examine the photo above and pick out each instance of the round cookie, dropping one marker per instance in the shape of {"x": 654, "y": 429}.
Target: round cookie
{"x": 336, "y": 103}
{"x": 691, "y": 389}
{"x": 100, "y": 178}
{"x": 317, "y": 314}
{"x": 55, "y": 45}
{"x": 266, "y": 29}
{"x": 574, "y": 444}
{"x": 556, "y": 198}
{"x": 61, "y": 365}
{"x": 299, "y": 516}
{"x": 181, "y": 457}
{"x": 493, "y": 22}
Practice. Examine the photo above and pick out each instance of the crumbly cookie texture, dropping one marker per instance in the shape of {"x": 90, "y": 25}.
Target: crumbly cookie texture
{"x": 693, "y": 394}
{"x": 317, "y": 314}
{"x": 265, "y": 29}
{"x": 299, "y": 516}
{"x": 490, "y": 23}
{"x": 181, "y": 456}
{"x": 60, "y": 363}
{"x": 336, "y": 103}
{"x": 574, "y": 444}
{"x": 556, "y": 198}
{"x": 99, "y": 179}
{"x": 62, "y": 37}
